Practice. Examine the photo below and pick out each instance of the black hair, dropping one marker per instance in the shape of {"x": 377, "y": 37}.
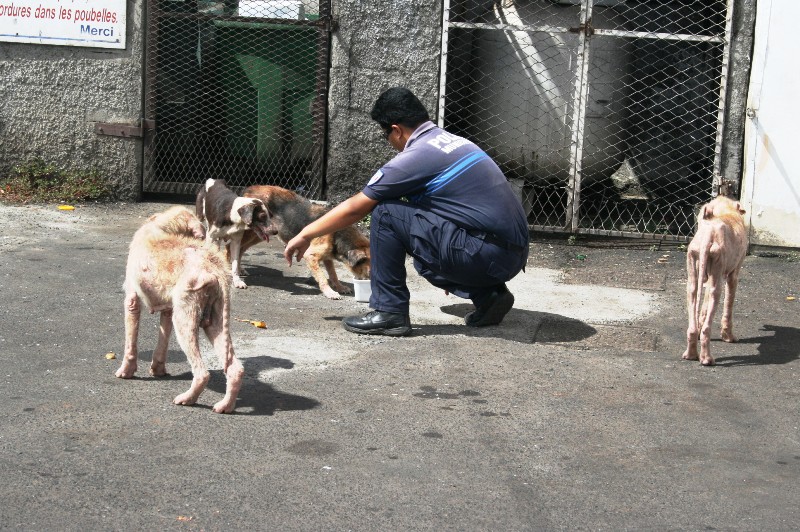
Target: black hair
{"x": 398, "y": 105}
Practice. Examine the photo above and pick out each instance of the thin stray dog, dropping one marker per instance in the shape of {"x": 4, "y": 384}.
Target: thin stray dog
{"x": 290, "y": 213}
{"x": 172, "y": 270}
{"x": 228, "y": 216}
{"x": 715, "y": 255}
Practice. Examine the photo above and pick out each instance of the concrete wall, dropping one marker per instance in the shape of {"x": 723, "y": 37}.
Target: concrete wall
{"x": 51, "y": 97}
{"x": 741, "y": 56}
{"x": 377, "y": 45}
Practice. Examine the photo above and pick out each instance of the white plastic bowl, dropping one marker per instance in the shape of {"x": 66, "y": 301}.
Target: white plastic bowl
{"x": 362, "y": 290}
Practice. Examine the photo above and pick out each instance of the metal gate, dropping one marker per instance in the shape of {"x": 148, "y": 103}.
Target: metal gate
{"x": 605, "y": 114}
{"x": 236, "y": 90}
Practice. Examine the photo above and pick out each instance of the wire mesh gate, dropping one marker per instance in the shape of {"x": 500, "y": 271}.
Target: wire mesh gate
{"x": 236, "y": 90}
{"x": 606, "y": 114}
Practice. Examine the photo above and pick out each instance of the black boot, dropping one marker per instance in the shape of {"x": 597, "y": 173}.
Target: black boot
{"x": 493, "y": 309}
{"x": 377, "y": 322}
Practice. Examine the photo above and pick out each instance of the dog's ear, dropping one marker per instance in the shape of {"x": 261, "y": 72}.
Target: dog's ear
{"x": 263, "y": 215}
{"x": 246, "y": 213}
{"x": 707, "y": 212}
{"x": 739, "y": 208}
{"x": 356, "y": 257}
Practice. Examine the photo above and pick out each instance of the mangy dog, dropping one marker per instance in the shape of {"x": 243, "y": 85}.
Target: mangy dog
{"x": 715, "y": 255}
{"x": 175, "y": 273}
{"x": 228, "y": 216}
{"x": 290, "y": 213}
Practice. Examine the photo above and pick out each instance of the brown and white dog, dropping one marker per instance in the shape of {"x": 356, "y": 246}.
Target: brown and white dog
{"x": 175, "y": 273}
{"x": 715, "y": 256}
{"x": 290, "y": 213}
{"x": 227, "y": 216}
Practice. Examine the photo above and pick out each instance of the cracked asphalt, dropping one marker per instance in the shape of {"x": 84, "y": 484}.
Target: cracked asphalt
{"x": 576, "y": 413}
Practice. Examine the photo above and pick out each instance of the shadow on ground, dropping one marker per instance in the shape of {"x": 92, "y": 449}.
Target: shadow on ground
{"x": 781, "y": 347}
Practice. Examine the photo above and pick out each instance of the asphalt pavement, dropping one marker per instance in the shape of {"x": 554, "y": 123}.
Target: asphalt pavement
{"x": 576, "y": 413}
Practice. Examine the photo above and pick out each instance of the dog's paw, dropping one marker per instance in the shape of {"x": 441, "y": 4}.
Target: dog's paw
{"x": 729, "y": 337}
{"x": 158, "y": 370}
{"x": 186, "y": 399}
{"x": 330, "y": 293}
{"x": 126, "y": 371}
{"x": 238, "y": 283}
{"x": 343, "y": 289}
{"x": 224, "y": 406}
{"x": 689, "y": 355}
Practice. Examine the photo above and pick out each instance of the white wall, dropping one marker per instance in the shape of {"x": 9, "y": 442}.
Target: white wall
{"x": 771, "y": 181}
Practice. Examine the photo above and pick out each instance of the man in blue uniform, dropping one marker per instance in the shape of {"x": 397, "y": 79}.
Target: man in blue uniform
{"x": 441, "y": 200}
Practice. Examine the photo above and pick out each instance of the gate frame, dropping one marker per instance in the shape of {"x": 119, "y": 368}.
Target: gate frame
{"x": 324, "y": 25}
{"x": 580, "y": 94}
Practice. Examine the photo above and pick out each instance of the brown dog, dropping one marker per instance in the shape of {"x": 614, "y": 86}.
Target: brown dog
{"x": 715, "y": 256}
{"x": 176, "y": 274}
{"x": 290, "y": 213}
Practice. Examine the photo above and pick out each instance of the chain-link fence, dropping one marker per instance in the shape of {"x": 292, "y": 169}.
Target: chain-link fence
{"x": 236, "y": 90}
{"x": 606, "y": 114}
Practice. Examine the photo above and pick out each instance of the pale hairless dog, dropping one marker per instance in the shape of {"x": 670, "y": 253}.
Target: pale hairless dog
{"x": 172, "y": 270}
{"x": 714, "y": 257}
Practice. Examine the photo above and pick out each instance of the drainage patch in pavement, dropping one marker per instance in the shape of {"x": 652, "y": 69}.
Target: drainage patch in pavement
{"x": 624, "y": 338}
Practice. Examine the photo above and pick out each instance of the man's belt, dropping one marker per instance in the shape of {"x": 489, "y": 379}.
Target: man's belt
{"x": 494, "y": 239}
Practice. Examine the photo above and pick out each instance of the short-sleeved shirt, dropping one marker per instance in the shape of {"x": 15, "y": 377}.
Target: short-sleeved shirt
{"x": 452, "y": 177}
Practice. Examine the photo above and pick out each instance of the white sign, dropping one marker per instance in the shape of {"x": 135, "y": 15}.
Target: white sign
{"x": 99, "y": 24}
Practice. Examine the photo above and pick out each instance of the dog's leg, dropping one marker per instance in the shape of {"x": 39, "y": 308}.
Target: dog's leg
{"x": 312, "y": 260}
{"x": 218, "y": 333}
{"x": 132, "y": 315}
{"x": 727, "y": 308}
{"x": 715, "y": 290}
{"x": 158, "y": 367}
{"x": 330, "y": 267}
{"x": 235, "y": 250}
{"x": 691, "y": 309}
{"x": 186, "y": 320}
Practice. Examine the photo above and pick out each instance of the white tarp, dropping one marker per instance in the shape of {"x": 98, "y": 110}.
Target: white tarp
{"x": 771, "y": 184}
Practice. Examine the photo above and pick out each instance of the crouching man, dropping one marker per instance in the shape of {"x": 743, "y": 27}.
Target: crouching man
{"x": 441, "y": 200}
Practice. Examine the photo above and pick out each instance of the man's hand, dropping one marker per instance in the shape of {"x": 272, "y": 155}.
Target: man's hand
{"x": 296, "y": 248}
{"x": 346, "y": 213}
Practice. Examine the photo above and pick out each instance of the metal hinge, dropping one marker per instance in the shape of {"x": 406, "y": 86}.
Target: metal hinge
{"x": 587, "y": 28}
{"x": 125, "y": 130}
{"x": 725, "y": 187}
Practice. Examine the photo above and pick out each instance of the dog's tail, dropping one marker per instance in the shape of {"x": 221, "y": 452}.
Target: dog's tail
{"x": 218, "y": 274}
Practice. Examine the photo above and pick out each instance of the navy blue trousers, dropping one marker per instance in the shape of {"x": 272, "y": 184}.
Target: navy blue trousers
{"x": 444, "y": 254}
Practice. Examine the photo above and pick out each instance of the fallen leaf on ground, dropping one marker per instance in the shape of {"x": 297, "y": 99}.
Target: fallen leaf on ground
{"x": 111, "y": 356}
{"x": 66, "y": 208}
{"x": 254, "y": 323}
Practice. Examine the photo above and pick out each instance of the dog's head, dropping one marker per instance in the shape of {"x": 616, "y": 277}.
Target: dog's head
{"x": 721, "y": 206}
{"x": 255, "y": 216}
{"x": 358, "y": 262}
{"x": 179, "y": 221}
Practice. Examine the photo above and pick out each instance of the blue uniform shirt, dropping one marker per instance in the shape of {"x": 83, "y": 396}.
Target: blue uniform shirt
{"x": 452, "y": 177}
